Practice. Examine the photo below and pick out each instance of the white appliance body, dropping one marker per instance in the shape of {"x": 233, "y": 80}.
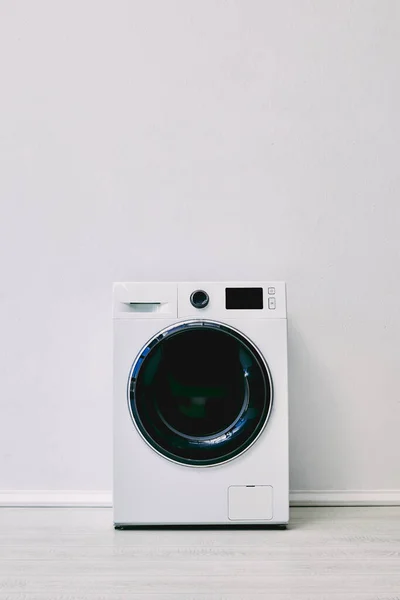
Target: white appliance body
{"x": 151, "y": 488}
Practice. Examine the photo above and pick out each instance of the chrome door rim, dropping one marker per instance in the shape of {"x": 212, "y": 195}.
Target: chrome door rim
{"x": 163, "y": 333}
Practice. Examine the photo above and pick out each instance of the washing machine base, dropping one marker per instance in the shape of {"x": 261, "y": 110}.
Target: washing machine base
{"x": 122, "y": 526}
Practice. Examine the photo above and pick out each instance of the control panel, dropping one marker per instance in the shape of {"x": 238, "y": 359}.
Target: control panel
{"x": 212, "y": 300}
{"x": 232, "y": 300}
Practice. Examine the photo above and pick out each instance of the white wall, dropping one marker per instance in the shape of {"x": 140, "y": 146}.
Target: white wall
{"x": 183, "y": 139}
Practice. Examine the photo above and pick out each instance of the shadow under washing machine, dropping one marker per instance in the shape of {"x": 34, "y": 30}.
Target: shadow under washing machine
{"x": 200, "y": 404}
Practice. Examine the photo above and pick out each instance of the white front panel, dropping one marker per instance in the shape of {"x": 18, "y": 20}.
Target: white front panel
{"x": 149, "y": 489}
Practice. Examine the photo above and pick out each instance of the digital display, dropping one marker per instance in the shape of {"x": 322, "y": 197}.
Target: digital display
{"x": 244, "y": 298}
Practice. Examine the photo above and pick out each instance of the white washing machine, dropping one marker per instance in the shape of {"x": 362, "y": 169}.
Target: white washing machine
{"x": 200, "y": 404}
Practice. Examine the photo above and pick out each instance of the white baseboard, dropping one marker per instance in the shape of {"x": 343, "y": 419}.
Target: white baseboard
{"x": 56, "y": 498}
{"x": 345, "y": 498}
{"x": 103, "y": 499}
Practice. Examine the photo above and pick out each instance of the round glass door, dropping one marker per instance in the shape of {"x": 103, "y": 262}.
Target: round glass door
{"x": 200, "y": 393}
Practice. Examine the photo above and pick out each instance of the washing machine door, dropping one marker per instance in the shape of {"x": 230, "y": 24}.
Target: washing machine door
{"x": 200, "y": 393}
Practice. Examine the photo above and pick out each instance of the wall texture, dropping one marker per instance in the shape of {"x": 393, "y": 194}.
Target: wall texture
{"x": 180, "y": 140}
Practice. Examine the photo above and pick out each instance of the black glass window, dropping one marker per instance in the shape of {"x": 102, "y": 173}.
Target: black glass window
{"x": 200, "y": 393}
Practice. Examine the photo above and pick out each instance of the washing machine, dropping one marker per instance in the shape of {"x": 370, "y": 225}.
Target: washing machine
{"x": 200, "y": 404}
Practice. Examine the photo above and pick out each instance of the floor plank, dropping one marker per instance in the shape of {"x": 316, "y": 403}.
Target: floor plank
{"x": 75, "y": 554}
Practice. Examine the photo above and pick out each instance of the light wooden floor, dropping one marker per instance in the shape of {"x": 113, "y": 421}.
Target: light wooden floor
{"x": 74, "y": 554}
